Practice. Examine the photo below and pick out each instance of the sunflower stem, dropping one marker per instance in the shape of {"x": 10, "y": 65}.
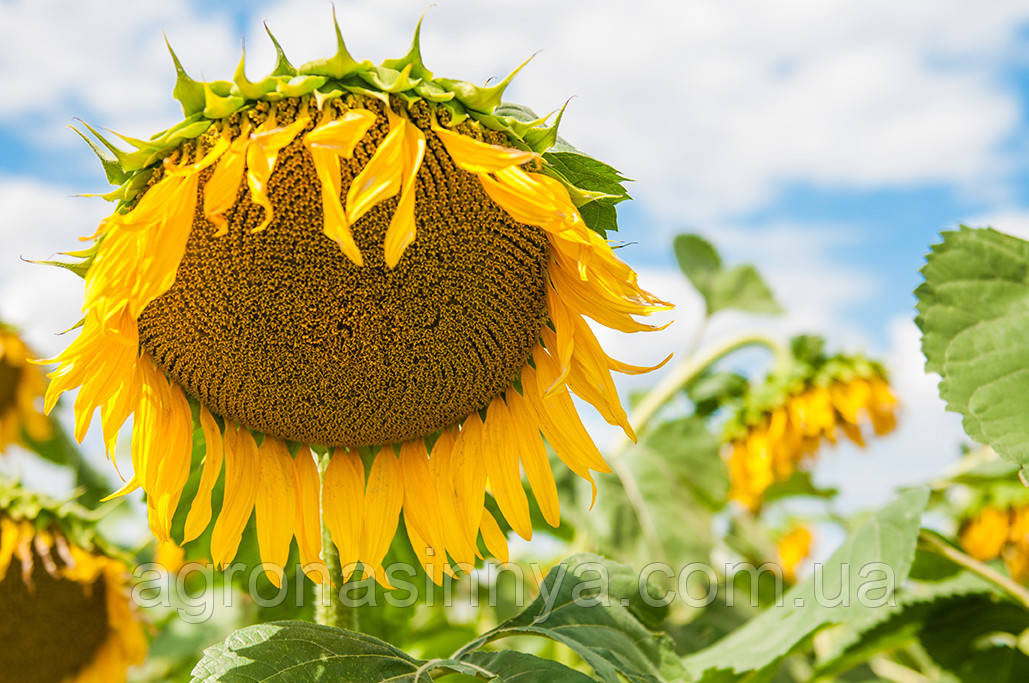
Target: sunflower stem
{"x": 686, "y": 372}
{"x": 330, "y": 609}
{"x": 931, "y": 542}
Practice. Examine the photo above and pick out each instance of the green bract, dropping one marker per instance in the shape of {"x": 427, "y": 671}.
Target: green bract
{"x": 593, "y": 186}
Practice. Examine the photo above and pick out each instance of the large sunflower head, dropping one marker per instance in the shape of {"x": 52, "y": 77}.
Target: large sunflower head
{"x": 780, "y": 424}
{"x": 385, "y": 268}
{"x": 21, "y": 392}
{"x": 65, "y": 611}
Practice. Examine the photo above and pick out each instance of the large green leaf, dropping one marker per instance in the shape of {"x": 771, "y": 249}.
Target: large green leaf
{"x": 934, "y": 587}
{"x": 675, "y": 473}
{"x": 975, "y": 640}
{"x": 296, "y": 652}
{"x": 974, "y": 315}
{"x": 849, "y": 589}
{"x": 740, "y": 287}
{"x": 578, "y": 606}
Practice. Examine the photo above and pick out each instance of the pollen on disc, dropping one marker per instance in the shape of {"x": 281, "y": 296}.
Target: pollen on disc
{"x": 279, "y": 332}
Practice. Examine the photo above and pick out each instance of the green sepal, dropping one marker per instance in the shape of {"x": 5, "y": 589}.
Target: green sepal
{"x": 432, "y": 92}
{"x": 339, "y": 66}
{"x": 248, "y": 89}
{"x": 298, "y": 86}
{"x": 218, "y": 105}
{"x": 188, "y": 92}
{"x": 413, "y": 58}
{"x": 389, "y": 80}
{"x": 112, "y": 169}
{"x": 282, "y": 64}
{"x": 481, "y": 98}
{"x": 80, "y": 268}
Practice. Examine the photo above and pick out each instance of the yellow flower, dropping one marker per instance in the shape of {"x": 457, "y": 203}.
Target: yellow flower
{"x": 784, "y": 437}
{"x": 65, "y": 611}
{"x": 794, "y": 547}
{"x": 21, "y": 393}
{"x": 1000, "y": 532}
{"x": 364, "y": 262}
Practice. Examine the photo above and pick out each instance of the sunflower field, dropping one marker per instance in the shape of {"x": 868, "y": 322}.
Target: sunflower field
{"x": 364, "y": 386}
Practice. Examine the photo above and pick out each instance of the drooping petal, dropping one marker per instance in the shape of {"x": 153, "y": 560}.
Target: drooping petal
{"x": 330, "y": 140}
{"x": 421, "y": 512}
{"x": 275, "y": 507}
{"x": 241, "y": 482}
{"x": 381, "y": 177}
{"x": 222, "y": 187}
{"x": 384, "y": 496}
{"x": 493, "y": 537}
{"x": 199, "y": 515}
{"x": 401, "y": 230}
{"x": 478, "y": 157}
{"x": 502, "y": 470}
{"x": 533, "y": 454}
{"x": 308, "y": 515}
{"x": 262, "y": 153}
{"x": 342, "y": 494}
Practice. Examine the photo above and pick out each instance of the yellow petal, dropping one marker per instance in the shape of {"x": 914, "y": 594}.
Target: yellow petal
{"x": 342, "y": 494}
{"x": 222, "y": 187}
{"x": 384, "y": 496}
{"x": 275, "y": 507}
{"x": 502, "y": 470}
{"x": 524, "y": 433}
{"x": 262, "y": 153}
{"x": 241, "y": 481}
{"x": 330, "y": 140}
{"x": 469, "y": 475}
{"x": 479, "y": 157}
{"x": 494, "y": 538}
{"x": 307, "y": 486}
{"x": 401, "y": 230}
{"x": 381, "y": 177}
{"x": 200, "y": 511}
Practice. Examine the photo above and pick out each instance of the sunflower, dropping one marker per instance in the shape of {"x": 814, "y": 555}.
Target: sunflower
{"x": 1000, "y": 532}
{"x": 363, "y": 269}
{"x": 781, "y": 425}
{"x": 21, "y": 392}
{"x": 65, "y": 611}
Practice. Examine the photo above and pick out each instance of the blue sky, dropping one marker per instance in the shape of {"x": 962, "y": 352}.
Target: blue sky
{"x": 827, "y": 141}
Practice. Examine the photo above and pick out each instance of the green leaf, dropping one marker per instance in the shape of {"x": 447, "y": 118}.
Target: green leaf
{"x": 941, "y": 586}
{"x": 975, "y": 639}
{"x": 800, "y": 483}
{"x": 675, "y": 473}
{"x": 579, "y": 607}
{"x": 845, "y": 592}
{"x": 712, "y": 389}
{"x": 974, "y": 315}
{"x": 518, "y": 667}
{"x": 740, "y": 287}
{"x": 295, "y": 651}
{"x": 686, "y": 453}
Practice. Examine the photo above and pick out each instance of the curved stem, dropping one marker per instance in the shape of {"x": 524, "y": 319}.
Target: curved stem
{"x": 930, "y": 541}
{"x": 330, "y": 610}
{"x": 683, "y": 374}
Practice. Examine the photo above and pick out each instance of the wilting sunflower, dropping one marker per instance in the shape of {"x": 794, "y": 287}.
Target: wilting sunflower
{"x": 65, "y": 610}
{"x": 780, "y": 425}
{"x": 1000, "y": 532}
{"x": 21, "y": 392}
{"x": 385, "y": 268}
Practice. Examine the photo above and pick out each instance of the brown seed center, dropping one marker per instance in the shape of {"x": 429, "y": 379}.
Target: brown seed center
{"x": 280, "y": 332}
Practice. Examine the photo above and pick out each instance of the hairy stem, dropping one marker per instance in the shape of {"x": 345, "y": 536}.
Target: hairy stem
{"x": 330, "y": 609}
{"x": 932, "y": 542}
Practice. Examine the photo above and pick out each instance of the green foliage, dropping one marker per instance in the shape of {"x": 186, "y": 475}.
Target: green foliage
{"x": 740, "y": 288}
{"x": 974, "y": 314}
{"x": 841, "y": 596}
{"x": 583, "y": 604}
